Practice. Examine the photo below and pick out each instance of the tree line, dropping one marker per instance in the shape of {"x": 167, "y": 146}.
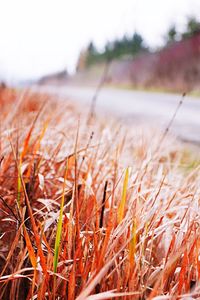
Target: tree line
{"x": 192, "y": 28}
{"x": 130, "y": 46}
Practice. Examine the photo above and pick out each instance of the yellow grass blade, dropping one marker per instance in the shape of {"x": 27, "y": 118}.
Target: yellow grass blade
{"x": 132, "y": 246}
{"x": 123, "y": 199}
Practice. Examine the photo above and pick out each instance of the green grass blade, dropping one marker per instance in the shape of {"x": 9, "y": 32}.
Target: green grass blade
{"x": 59, "y": 227}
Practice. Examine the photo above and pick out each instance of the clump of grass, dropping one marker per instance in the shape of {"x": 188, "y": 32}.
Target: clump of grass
{"x": 76, "y": 222}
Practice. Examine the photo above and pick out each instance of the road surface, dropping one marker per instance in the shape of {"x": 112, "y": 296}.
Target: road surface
{"x": 156, "y": 108}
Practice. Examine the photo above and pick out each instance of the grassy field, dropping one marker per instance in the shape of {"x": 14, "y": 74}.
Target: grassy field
{"x": 93, "y": 210}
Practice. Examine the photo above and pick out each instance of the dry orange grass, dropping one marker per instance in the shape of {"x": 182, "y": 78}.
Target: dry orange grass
{"x": 129, "y": 222}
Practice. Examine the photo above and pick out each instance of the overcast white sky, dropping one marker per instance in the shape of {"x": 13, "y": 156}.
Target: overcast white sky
{"x": 42, "y": 36}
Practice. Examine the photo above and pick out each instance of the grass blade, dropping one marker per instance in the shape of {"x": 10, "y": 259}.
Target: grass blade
{"x": 59, "y": 226}
{"x": 123, "y": 199}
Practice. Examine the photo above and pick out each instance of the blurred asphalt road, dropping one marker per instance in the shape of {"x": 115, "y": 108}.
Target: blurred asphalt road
{"x": 156, "y": 108}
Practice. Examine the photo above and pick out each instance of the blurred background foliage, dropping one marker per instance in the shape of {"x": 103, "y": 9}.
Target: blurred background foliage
{"x": 130, "y": 46}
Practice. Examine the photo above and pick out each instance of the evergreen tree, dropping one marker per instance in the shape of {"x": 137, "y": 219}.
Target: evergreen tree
{"x": 171, "y": 34}
{"x": 113, "y": 50}
{"x": 193, "y": 26}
